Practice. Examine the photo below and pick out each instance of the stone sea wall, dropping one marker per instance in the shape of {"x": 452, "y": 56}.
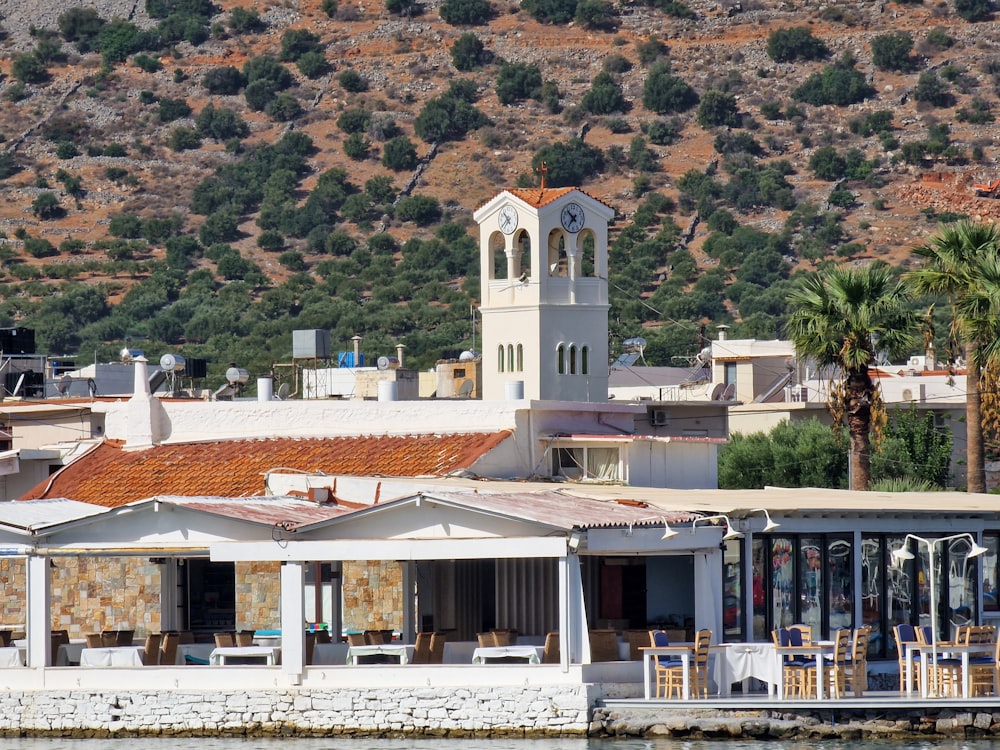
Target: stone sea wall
{"x": 439, "y": 712}
{"x": 827, "y": 724}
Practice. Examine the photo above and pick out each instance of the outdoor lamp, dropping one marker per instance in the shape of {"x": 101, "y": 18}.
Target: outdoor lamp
{"x": 731, "y": 532}
{"x": 770, "y": 525}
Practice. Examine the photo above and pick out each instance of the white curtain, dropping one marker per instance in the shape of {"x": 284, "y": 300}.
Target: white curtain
{"x": 602, "y": 463}
{"x": 708, "y": 592}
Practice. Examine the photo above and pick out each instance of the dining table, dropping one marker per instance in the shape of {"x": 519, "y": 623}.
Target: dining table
{"x": 403, "y": 652}
{"x": 741, "y": 662}
{"x": 221, "y": 656}
{"x": 111, "y": 656}
{"x": 11, "y": 656}
{"x": 944, "y": 650}
{"x": 68, "y": 654}
{"x": 529, "y": 654}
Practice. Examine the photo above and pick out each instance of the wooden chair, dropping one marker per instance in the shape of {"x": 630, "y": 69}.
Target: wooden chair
{"x": 662, "y": 662}
{"x": 124, "y": 637}
{"x": 486, "y": 639}
{"x": 224, "y": 640}
{"x": 109, "y": 638}
{"x": 6, "y": 636}
{"x": 603, "y": 645}
{"x": 323, "y": 636}
{"x": 438, "y": 639}
{"x": 504, "y": 636}
{"x": 796, "y": 669}
{"x": 806, "y": 632}
{"x": 355, "y": 639}
{"x": 550, "y": 652}
{"x": 376, "y": 637}
{"x": 856, "y": 671}
{"x": 906, "y": 636}
{"x": 838, "y": 666}
{"x": 94, "y": 640}
{"x": 924, "y": 635}
{"x": 310, "y": 646}
{"x": 244, "y": 637}
{"x": 670, "y": 678}
{"x": 168, "y": 647}
{"x": 636, "y": 640}
{"x": 422, "y": 649}
{"x": 983, "y": 674}
{"x": 151, "y": 650}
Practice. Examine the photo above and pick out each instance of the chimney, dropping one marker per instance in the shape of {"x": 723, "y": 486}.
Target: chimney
{"x": 399, "y": 353}
{"x": 143, "y": 409}
{"x": 357, "y": 350}
{"x": 723, "y": 330}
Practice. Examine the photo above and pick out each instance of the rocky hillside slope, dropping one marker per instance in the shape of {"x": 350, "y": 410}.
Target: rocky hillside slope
{"x": 406, "y": 61}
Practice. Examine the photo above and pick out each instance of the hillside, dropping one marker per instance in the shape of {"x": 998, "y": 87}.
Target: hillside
{"x": 212, "y": 306}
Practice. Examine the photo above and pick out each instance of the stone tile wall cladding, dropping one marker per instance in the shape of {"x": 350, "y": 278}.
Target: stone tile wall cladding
{"x": 373, "y": 595}
{"x": 90, "y": 594}
{"x": 469, "y": 711}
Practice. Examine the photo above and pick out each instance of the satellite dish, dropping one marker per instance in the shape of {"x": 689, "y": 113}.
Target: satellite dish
{"x": 465, "y": 391}
{"x": 172, "y": 363}
{"x": 718, "y": 391}
{"x": 283, "y": 391}
{"x": 727, "y": 395}
{"x": 382, "y": 363}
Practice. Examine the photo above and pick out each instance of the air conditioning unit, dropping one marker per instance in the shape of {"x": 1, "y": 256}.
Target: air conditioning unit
{"x": 659, "y": 417}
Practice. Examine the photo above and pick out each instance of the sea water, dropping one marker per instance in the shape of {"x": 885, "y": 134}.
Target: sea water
{"x": 229, "y": 743}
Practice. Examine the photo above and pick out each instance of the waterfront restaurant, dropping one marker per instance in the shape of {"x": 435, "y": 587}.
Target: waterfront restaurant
{"x": 520, "y": 556}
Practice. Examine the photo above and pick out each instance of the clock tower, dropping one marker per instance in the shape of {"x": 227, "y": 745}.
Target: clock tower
{"x": 544, "y": 294}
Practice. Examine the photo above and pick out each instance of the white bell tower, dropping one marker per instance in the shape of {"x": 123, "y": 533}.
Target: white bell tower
{"x": 544, "y": 295}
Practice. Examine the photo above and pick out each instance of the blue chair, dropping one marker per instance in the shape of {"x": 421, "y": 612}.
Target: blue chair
{"x": 662, "y": 662}
{"x": 796, "y": 669}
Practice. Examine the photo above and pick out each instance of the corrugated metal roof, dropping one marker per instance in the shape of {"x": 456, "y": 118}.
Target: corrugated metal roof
{"x": 44, "y": 513}
{"x": 290, "y": 513}
{"x": 558, "y": 509}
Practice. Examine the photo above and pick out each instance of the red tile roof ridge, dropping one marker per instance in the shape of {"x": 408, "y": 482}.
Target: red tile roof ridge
{"x": 539, "y": 196}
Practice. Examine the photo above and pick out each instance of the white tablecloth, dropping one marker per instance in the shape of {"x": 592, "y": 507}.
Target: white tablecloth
{"x": 265, "y": 654}
{"x": 401, "y": 651}
{"x": 118, "y": 656}
{"x": 69, "y": 653}
{"x": 11, "y": 656}
{"x": 531, "y": 654}
{"x": 744, "y": 660}
{"x": 330, "y": 653}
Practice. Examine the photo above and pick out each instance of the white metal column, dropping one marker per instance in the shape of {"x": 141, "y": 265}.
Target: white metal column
{"x": 293, "y": 618}
{"x": 38, "y": 624}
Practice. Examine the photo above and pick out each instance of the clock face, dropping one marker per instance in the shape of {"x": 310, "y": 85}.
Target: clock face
{"x": 572, "y": 217}
{"x": 508, "y": 219}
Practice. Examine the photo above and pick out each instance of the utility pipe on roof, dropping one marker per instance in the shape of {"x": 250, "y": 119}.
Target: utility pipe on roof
{"x": 117, "y": 552}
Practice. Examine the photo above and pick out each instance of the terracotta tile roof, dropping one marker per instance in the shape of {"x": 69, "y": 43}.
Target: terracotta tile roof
{"x": 538, "y": 197}
{"x": 111, "y": 477}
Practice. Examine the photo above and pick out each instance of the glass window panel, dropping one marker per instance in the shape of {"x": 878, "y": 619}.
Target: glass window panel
{"x": 520, "y": 357}
{"x": 561, "y": 360}
{"x": 871, "y": 593}
{"x": 811, "y": 583}
{"x": 585, "y": 361}
{"x": 839, "y": 556}
{"x": 568, "y": 462}
{"x": 732, "y": 590}
{"x": 992, "y": 544}
{"x": 899, "y": 590}
{"x": 500, "y": 358}
{"x": 782, "y": 582}
{"x": 760, "y": 566}
{"x": 961, "y": 584}
{"x": 602, "y": 463}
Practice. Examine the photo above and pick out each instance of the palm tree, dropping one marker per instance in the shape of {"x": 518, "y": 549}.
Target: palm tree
{"x": 844, "y": 318}
{"x": 961, "y": 260}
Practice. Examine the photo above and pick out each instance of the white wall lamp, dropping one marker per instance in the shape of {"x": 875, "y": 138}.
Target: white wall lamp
{"x": 731, "y": 532}
{"x": 668, "y": 533}
{"x": 770, "y": 525}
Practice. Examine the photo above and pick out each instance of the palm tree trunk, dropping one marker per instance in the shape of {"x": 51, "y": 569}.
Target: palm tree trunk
{"x": 975, "y": 466}
{"x": 860, "y": 391}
